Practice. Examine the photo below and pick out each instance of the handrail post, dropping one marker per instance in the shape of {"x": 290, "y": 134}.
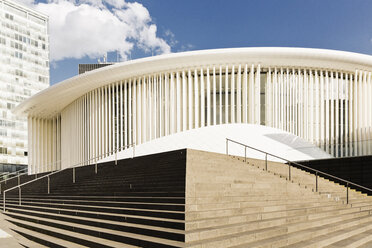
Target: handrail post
{"x": 73, "y": 174}
{"x": 316, "y": 181}
{"x": 266, "y": 161}
{"x": 227, "y": 146}
{"x": 19, "y": 180}
{"x": 4, "y": 202}
{"x": 347, "y": 193}
{"x": 289, "y": 171}
{"x": 95, "y": 167}
{"x": 116, "y": 157}
{"x": 245, "y": 154}
{"x": 48, "y": 185}
{"x": 19, "y": 194}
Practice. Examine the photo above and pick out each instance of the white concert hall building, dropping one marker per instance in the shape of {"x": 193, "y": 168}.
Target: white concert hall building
{"x": 296, "y": 102}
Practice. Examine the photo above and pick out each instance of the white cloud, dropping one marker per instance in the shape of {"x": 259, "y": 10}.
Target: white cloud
{"x": 94, "y": 27}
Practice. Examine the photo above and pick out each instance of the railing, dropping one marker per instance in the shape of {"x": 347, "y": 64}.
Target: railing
{"x": 17, "y": 174}
{"x": 13, "y": 173}
{"x": 73, "y": 167}
{"x": 290, "y": 163}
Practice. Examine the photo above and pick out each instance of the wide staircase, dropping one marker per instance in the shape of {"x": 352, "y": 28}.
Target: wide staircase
{"x": 139, "y": 202}
{"x": 189, "y": 198}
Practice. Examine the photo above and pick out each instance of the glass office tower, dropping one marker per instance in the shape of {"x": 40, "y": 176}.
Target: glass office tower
{"x": 24, "y": 71}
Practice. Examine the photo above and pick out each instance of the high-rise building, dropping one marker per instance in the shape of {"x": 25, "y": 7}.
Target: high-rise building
{"x": 24, "y": 71}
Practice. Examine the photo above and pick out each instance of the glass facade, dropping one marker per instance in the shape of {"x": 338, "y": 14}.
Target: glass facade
{"x": 24, "y": 71}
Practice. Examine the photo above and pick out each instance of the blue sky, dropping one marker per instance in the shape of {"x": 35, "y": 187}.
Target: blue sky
{"x": 194, "y": 25}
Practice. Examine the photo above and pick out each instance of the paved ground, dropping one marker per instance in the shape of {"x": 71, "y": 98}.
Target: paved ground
{"x": 7, "y": 236}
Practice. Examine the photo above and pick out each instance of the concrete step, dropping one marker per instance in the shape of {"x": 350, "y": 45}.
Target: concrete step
{"x": 357, "y": 240}
{"x": 225, "y": 220}
{"x": 84, "y": 234}
{"x": 291, "y": 224}
{"x": 366, "y": 245}
{"x": 121, "y": 205}
{"x": 292, "y": 239}
{"x": 133, "y": 219}
{"x": 89, "y": 223}
{"x": 340, "y": 238}
{"x": 113, "y": 212}
{"x": 55, "y": 237}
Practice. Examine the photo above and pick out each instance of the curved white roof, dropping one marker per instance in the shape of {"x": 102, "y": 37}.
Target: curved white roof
{"x": 54, "y": 99}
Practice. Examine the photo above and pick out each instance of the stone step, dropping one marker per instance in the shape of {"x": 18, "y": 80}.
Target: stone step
{"x": 203, "y": 214}
{"x": 122, "y": 205}
{"x": 357, "y": 240}
{"x": 290, "y": 239}
{"x": 259, "y": 199}
{"x": 103, "y": 198}
{"x": 142, "y": 220}
{"x": 55, "y": 237}
{"x": 62, "y": 220}
{"x": 366, "y": 245}
{"x": 85, "y": 234}
{"x": 120, "y": 212}
{"x": 291, "y": 224}
{"x": 259, "y": 216}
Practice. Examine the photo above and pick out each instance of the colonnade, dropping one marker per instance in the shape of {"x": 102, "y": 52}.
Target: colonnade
{"x": 331, "y": 109}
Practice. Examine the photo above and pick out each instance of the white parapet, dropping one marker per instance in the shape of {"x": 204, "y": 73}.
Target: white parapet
{"x": 213, "y": 139}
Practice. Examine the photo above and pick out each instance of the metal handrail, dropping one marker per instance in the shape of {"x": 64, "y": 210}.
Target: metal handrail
{"x": 81, "y": 164}
{"x": 298, "y": 164}
{"x": 13, "y": 173}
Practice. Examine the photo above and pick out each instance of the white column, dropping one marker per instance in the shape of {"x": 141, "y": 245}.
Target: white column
{"x": 276, "y": 99}
{"x": 245, "y": 95}
{"x": 317, "y": 110}
{"x": 327, "y": 125}
{"x": 143, "y": 110}
{"x": 341, "y": 96}
{"x": 258, "y": 95}
{"x": 239, "y": 95}
{"x": 220, "y": 93}
{"x": 197, "y": 97}
{"x": 369, "y": 110}
{"x": 117, "y": 117}
{"x": 364, "y": 115}
{"x": 336, "y": 94}
{"x": 166, "y": 114}
{"x": 332, "y": 136}
{"x": 347, "y": 98}
{"x": 269, "y": 99}
{"x": 227, "y": 95}
{"x": 351, "y": 113}
{"x": 178, "y": 102}
{"x": 356, "y": 112}
{"x": 148, "y": 99}
{"x": 282, "y": 102}
{"x": 184, "y": 101}
{"x": 131, "y": 117}
{"x": 214, "y": 97}
{"x": 202, "y": 99}
{"x": 161, "y": 107}
{"x": 191, "y": 112}
{"x": 322, "y": 122}
{"x": 208, "y": 98}
{"x": 126, "y": 119}
{"x": 173, "y": 102}
{"x": 251, "y": 95}
{"x": 232, "y": 94}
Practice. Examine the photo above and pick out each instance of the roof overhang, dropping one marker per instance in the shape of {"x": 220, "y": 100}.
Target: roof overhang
{"x": 53, "y": 100}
